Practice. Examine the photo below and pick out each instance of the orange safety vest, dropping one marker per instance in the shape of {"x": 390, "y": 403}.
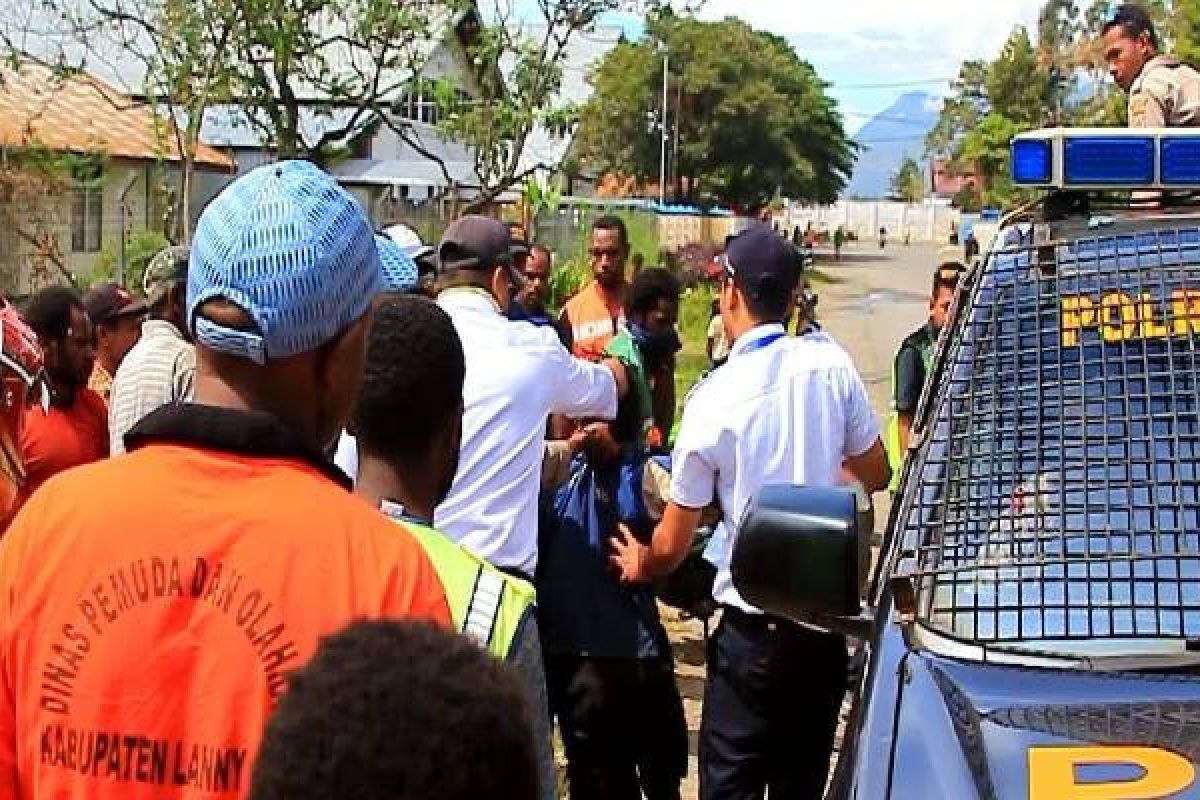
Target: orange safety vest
{"x": 593, "y": 320}
{"x": 154, "y": 605}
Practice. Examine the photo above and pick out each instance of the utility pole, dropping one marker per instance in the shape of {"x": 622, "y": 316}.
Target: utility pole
{"x": 677, "y": 182}
{"x": 662, "y": 155}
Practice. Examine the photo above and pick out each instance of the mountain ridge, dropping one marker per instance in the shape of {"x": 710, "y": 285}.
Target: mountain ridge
{"x": 896, "y": 133}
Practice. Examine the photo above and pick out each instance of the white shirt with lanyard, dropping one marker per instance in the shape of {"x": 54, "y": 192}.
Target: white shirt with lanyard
{"x": 781, "y": 410}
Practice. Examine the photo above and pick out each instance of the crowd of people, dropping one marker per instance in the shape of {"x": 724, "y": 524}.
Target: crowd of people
{"x": 330, "y": 512}
{"x": 349, "y": 455}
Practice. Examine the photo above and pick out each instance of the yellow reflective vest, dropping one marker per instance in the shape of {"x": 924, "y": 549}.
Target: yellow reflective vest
{"x": 487, "y": 605}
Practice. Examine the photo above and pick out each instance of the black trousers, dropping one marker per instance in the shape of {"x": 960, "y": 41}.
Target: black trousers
{"x": 622, "y": 725}
{"x": 770, "y": 709}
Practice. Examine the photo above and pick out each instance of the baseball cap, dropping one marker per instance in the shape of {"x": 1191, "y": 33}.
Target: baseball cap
{"x": 294, "y": 251}
{"x": 409, "y": 241}
{"x": 167, "y": 270}
{"x": 400, "y": 273}
{"x": 108, "y": 301}
{"x": 477, "y": 243}
{"x": 764, "y": 265}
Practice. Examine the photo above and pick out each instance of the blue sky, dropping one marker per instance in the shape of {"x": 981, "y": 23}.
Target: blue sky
{"x": 857, "y": 43}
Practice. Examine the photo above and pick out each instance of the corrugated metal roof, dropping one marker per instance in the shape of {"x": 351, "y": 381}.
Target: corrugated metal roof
{"x": 83, "y": 114}
{"x": 231, "y": 125}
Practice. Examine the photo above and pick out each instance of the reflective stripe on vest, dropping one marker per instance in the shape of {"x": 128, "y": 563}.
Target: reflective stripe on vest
{"x": 593, "y": 323}
{"x": 485, "y": 603}
{"x": 892, "y": 443}
{"x": 484, "y": 608}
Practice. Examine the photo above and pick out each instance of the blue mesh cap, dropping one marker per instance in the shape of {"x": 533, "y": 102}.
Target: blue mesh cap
{"x": 291, "y": 248}
{"x": 400, "y": 272}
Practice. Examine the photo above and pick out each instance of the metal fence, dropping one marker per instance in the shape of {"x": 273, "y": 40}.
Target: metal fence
{"x": 1057, "y": 495}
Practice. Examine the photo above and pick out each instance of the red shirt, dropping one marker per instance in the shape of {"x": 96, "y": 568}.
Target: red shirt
{"x": 61, "y": 438}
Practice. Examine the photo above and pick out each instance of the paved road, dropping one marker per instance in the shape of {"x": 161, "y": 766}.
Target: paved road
{"x": 869, "y": 305}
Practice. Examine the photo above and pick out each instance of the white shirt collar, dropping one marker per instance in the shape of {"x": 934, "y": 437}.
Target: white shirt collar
{"x": 751, "y": 337}
{"x": 469, "y": 297}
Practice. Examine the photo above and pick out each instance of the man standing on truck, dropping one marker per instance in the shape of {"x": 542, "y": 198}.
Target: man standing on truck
{"x": 782, "y": 410}
{"x": 912, "y": 365}
{"x": 1163, "y": 91}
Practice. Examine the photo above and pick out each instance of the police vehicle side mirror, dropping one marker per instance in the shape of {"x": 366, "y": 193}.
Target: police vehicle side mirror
{"x": 797, "y": 552}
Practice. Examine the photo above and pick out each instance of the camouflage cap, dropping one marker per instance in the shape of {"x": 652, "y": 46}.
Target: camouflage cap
{"x": 166, "y": 271}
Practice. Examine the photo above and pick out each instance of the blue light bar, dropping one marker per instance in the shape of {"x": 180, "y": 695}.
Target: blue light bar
{"x": 1031, "y": 162}
{"x": 1179, "y": 160}
{"x": 1109, "y": 160}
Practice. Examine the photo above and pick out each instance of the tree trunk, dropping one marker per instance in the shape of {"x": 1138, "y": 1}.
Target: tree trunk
{"x": 188, "y": 167}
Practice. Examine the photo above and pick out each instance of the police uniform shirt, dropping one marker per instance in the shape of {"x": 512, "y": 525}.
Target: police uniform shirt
{"x": 781, "y": 410}
{"x": 1166, "y": 94}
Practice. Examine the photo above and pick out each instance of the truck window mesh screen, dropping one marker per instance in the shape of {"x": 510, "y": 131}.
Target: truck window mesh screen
{"x": 1057, "y": 493}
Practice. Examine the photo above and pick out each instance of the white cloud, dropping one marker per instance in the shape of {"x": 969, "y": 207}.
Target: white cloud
{"x": 855, "y": 42}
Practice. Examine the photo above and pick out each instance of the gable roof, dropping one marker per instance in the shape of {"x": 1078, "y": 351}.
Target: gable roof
{"x": 80, "y": 113}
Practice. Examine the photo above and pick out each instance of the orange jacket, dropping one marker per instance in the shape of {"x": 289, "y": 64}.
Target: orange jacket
{"x": 152, "y": 606}
{"x": 592, "y": 320}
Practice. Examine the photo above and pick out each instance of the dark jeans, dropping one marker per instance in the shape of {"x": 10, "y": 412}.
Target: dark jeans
{"x": 622, "y": 725}
{"x": 770, "y": 709}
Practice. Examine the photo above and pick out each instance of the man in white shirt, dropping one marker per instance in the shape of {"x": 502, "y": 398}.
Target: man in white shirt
{"x": 517, "y": 375}
{"x": 781, "y": 410}
{"x": 161, "y": 367}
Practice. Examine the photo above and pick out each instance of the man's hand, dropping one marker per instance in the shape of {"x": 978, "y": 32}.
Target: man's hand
{"x": 673, "y": 537}
{"x": 629, "y": 556}
{"x": 600, "y": 443}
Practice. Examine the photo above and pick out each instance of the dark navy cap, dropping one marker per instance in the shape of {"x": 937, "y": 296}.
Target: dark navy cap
{"x": 763, "y": 263}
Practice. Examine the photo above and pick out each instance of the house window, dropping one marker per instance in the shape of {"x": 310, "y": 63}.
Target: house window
{"x": 418, "y": 107}
{"x": 87, "y": 212}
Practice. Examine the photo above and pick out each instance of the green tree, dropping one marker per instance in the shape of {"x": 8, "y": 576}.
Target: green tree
{"x": 753, "y": 120}
{"x": 519, "y": 83}
{"x": 1185, "y": 29}
{"x": 962, "y": 110}
{"x": 344, "y": 61}
{"x": 908, "y": 184}
{"x": 967, "y": 199}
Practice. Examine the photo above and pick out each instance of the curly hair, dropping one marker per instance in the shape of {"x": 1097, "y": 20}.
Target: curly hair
{"x": 648, "y": 288}
{"x": 402, "y": 711}
{"x": 49, "y": 312}
{"x": 413, "y": 382}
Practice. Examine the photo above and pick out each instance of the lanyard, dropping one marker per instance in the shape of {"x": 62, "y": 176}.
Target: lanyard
{"x": 762, "y": 343}
{"x": 397, "y": 513}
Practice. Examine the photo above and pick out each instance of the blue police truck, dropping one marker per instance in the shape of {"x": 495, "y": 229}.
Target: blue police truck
{"x": 1032, "y": 629}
